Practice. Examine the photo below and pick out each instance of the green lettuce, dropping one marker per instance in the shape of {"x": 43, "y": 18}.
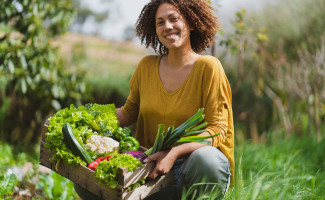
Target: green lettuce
{"x": 85, "y": 121}
{"x": 104, "y": 121}
{"x": 106, "y": 171}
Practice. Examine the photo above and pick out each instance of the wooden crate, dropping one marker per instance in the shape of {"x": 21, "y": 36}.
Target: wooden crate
{"x": 85, "y": 177}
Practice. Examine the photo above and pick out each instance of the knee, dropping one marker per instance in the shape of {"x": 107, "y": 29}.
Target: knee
{"x": 207, "y": 164}
{"x": 208, "y": 161}
{"x": 210, "y": 157}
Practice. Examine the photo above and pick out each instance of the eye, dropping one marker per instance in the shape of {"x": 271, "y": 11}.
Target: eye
{"x": 159, "y": 23}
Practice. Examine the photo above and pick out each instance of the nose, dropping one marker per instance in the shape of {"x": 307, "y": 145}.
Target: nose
{"x": 168, "y": 25}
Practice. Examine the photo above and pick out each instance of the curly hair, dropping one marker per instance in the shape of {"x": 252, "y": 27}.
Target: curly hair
{"x": 199, "y": 15}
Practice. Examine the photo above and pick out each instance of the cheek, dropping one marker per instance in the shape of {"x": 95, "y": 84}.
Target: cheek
{"x": 158, "y": 32}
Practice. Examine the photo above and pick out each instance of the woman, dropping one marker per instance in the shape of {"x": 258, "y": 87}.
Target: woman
{"x": 170, "y": 87}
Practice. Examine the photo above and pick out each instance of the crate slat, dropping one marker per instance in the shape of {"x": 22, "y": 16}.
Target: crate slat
{"x": 150, "y": 187}
{"x": 137, "y": 175}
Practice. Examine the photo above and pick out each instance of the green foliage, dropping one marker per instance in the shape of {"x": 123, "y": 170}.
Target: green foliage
{"x": 276, "y": 71}
{"x": 34, "y": 79}
{"x": 14, "y": 157}
{"x": 54, "y": 186}
{"x": 85, "y": 121}
{"x": 7, "y": 185}
{"x": 282, "y": 169}
{"x": 15, "y": 181}
{"x": 291, "y": 169}
{"x": 106, "y": 119}
{"x": 296, "y": 25}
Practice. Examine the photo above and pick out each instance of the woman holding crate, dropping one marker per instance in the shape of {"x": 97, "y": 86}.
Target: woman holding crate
{"x": 170, "y": 87}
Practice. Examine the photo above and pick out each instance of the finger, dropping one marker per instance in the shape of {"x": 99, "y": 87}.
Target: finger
{"x": 151, "y": 158}
{"x": 154, "y": 174}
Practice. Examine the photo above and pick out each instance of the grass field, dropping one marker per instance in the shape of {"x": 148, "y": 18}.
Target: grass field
{"x": 100, "y": 57}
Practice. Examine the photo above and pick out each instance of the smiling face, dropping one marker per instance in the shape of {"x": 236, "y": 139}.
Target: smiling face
{"x": 171, "y": 28}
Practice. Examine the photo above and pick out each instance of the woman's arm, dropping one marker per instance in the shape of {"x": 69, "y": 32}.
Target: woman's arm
{"x": 124, "y": 121}
{"x": 165, "y": 159}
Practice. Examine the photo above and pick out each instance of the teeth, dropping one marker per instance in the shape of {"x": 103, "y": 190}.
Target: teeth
{"x": 171, "y": 36}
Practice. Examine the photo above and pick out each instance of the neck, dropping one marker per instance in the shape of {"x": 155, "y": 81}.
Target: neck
{"x": 179, "y": 58}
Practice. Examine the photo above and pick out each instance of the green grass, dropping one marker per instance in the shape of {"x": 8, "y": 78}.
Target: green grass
{"x": 291, "y": 169}
{"x": 282, "y": 169}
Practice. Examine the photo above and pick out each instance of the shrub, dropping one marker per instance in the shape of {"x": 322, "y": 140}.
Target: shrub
{"x": 33, "y": 79}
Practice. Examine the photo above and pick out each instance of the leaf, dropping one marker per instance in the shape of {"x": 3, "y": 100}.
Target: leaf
{"x": 94, "y": 112}
{"x": 102, "y": 126}
{"x": 56, "y": 105}
{"x": 11, "y": 67}
{"x": 7, "y": 184}
{"x": 23, "y": 86}
{"x": 262, "y": 37}
{"x": 23, "y": 62}
{"x": 108, "y": 133}
{"x": 89, "y": 105}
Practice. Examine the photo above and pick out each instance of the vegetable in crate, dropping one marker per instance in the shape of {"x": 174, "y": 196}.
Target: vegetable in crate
{"x": 84, "y": 121}
{"x": 181, "y": 134}
{"x": 74, "y": 145}
{"x": 105, "y": 120}
{"x": 94, "y": 164}
{"x": 137, "y": 154}
{"x": 106, "y": 171}
{"x": 137, "y": 184}
{"x": 101, "y": 144}
{"x": 129, "y": 143}
{"x": 121, "y": 133}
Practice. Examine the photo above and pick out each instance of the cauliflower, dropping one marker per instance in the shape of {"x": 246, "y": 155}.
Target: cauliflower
{"x": 101, "y": 144}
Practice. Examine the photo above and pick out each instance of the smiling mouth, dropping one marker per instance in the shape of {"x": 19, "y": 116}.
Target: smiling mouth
{"x": 172, "y": 36}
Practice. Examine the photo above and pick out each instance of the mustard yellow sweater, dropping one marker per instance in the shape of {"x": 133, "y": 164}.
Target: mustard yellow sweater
{"x": 149, "y": 104}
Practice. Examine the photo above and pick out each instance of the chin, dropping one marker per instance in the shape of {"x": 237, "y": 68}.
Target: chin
{"x": 173, "y": 46}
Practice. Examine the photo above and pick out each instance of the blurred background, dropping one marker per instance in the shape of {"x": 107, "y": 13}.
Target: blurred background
{"x": 61, "y": 52}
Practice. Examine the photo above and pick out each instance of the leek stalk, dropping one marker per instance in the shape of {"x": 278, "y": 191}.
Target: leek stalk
{"x": 180, "y": 135}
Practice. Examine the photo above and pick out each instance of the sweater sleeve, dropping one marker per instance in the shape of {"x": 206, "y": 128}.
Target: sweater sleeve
{"x": 217, "y": 101}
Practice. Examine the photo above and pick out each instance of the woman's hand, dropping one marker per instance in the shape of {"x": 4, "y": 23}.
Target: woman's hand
{"x": 164, "y": 162}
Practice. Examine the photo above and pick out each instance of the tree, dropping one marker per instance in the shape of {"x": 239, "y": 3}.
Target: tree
{"x": 282, "y": 61}
{"x": 33, "y": 79}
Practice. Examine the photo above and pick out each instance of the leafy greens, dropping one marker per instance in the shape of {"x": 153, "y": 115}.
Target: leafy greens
{"x": 85, "y": 121}
{"x": 106, "y": 171}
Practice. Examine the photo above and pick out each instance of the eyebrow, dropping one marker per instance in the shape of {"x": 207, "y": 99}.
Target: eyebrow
{"x": 167, "y": 17}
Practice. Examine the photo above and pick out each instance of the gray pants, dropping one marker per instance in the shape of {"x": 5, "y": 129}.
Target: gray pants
{"x": 206, "y": 170}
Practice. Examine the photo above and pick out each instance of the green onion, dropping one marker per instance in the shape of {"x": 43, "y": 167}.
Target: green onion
{"x": 182, "y": 134}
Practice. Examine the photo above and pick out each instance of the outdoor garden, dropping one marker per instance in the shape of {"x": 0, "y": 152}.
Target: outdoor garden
{"x": 274, "y": 60}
